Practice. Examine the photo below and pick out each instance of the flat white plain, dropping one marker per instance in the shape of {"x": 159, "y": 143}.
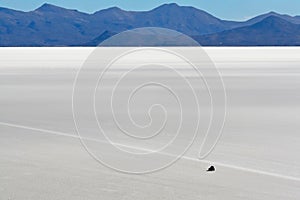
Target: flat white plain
{"x": 257, "y": 157}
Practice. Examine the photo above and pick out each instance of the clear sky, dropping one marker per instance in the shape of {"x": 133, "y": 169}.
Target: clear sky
{"x": 225, "y": 9}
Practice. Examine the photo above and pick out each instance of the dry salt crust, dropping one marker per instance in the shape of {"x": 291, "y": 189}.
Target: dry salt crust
{"x": 41, "y": 156}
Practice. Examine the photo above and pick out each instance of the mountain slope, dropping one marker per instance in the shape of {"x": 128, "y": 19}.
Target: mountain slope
{"x": 98, "y": 40}
{"x": 184, "y": 19}
{"x": 46, "y": 26}
{"x": 295, "y": 20}
{"x": 50, "y": 25}
{"x": 272, "y": 31}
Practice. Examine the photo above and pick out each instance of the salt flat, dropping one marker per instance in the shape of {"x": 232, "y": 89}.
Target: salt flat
{"x": 257, "y": 157}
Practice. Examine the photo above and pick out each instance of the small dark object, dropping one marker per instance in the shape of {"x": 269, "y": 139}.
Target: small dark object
{"x": 211, "y": 169}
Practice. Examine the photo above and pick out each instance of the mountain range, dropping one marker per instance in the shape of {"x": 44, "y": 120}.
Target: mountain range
{"x": 50, "y": 25}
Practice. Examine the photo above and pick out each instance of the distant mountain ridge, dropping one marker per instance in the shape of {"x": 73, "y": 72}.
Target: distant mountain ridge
{"x": 271, "y": 31}
{"x": 50, "y": 25}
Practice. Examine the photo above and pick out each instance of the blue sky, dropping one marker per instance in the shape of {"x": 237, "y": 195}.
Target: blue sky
{"x": 225, "y": 9}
